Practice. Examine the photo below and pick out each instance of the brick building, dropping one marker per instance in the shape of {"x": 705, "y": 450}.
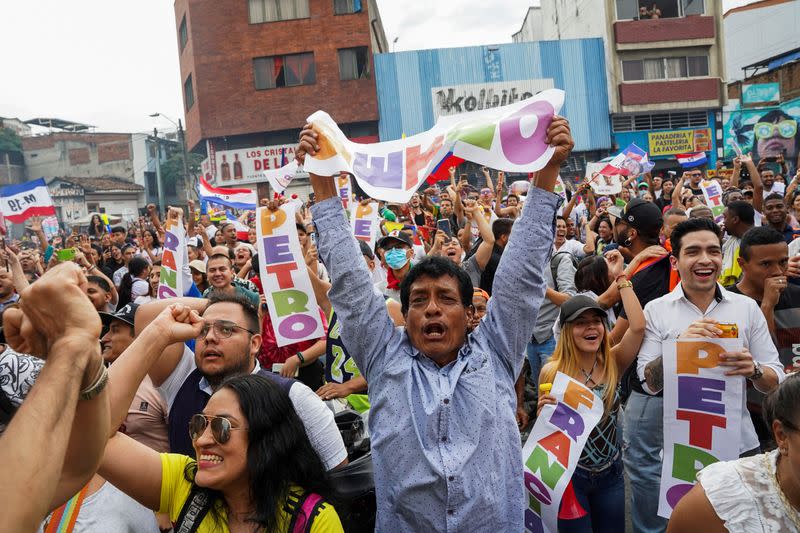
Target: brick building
{"x": 252, "y": 71}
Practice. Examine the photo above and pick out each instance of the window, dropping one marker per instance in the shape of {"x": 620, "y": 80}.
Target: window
{"x": 660, "y": 121}
{"x": 345, "y": 7}
{"x": 698, "y": 65}
{"x": 188, "y": 93}
{"x": 661, "y": 68}
{"x": 652, "y": 9}
{"x": 274, "y": 10}
{"x": 354, "y": 63}
{"x": 183, "y": 34}
{"x": 284, "y": 71}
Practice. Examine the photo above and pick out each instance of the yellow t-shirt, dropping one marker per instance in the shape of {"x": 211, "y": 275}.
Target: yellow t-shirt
{"x": 175, "y": 491}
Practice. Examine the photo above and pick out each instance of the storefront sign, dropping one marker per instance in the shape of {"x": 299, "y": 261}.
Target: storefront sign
{"x": 761, "y": 93}
{"x": 678, "y": 142}
{"x": 232, "y": 168}
{"x": 455, "y": 99}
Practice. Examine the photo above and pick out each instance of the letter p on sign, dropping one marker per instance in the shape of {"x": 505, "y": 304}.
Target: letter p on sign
{"x": 271, "y": 220}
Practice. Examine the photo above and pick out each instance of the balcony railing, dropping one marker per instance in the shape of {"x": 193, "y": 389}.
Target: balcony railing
{"x": 664, "y": 29}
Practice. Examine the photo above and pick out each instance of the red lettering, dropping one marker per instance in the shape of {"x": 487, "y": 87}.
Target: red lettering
{"x": 701, "y": 426}
{"x": 257, "y": 164}
{"x": 284, "y": 274}
{"x": 168, "y": 260}
{"x": 416, "y": 160}
{"x": 558, "y": 444}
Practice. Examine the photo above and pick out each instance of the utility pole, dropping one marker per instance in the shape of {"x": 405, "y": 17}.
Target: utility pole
{"x": 182, "y": 138}
{"x": 158, "y": 172}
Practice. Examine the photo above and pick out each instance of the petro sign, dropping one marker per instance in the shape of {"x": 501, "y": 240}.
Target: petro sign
{"x": 455, "y": 99}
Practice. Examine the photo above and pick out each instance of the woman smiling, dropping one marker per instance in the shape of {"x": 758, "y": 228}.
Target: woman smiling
{"x": 256, "y": 469}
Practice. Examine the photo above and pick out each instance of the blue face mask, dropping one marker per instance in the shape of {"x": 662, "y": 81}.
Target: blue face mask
{"x": 396, "y": 258}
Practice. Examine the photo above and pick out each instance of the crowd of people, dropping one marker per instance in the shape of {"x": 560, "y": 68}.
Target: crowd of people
{"x": 125, "y": 412}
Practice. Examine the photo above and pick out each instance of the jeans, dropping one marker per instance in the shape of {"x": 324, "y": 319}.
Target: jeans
{"x": 602, "y": 496}
{"x": 643, "y": 441}
{"x": 538, "y": 355}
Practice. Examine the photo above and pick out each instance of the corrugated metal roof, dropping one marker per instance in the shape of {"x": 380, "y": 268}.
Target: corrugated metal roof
{"x": 405, "y": 81}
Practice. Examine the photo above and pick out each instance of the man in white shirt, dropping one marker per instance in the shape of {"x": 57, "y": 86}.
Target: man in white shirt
{"x": 692, "y": 310}
{"x": 562, "y": 244}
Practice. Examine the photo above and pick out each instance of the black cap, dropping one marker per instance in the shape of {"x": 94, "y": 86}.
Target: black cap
{"x": 126, "y": 314}
{"x": 642, "y": 215}
{"x": 396, "y": 235}
{"x": 575, "y": 306}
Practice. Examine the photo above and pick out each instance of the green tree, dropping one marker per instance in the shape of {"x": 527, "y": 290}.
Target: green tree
{"x": 172, "y": 168}
{"x": 10, "y": 141}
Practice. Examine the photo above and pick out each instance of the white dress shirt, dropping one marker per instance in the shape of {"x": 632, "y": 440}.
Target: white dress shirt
{"x": 672, "y": 314}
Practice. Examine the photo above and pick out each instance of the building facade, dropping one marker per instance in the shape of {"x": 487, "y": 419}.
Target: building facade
{"x": 253, "y": 71}
{"x": 75, "y": 199}
{"x": 417, "y": 87}
{"x": 667, "y": 72}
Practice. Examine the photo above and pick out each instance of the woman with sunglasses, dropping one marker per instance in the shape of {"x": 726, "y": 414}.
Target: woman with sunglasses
{"x": 256, "y": 469}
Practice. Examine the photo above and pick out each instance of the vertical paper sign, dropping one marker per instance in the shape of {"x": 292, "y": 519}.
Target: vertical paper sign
{"x": 290, "y": 297}
{"x": 343, "y": 189}
{"x": 50, "y": 227}
{"x": 173, "y": 260}
{"x": 712, "y": 192}
{"x": 702, "y": 413}
{"x": 364, "y": 221}
{"x": 553, "y": 448}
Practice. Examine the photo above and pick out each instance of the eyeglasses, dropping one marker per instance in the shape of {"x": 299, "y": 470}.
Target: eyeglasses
{"x": 222, "y": 329}
{"x": 220, "y": 427}
{"x": 785, "y": 128}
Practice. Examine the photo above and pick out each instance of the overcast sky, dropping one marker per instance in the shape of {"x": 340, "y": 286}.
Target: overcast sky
{"x": 111, "y": 64}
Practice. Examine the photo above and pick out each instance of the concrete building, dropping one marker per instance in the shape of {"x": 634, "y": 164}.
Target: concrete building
{"x": 758, "y": 31}
{"x": 665, "y": 70}
{"x": 253, "y": 71}
{"x": 416, "y": 87}
{"x": 76, "y": 198}
{"x": 82, "y": 155}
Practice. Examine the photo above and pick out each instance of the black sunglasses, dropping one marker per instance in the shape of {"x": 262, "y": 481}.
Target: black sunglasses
{"x": 220, "y": 427}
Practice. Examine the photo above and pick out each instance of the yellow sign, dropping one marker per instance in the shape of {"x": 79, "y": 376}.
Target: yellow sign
{"x": 670, "y": 142}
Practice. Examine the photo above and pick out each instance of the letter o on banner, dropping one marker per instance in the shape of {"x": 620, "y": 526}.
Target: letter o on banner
{"x": 287, "y": 327}
{"x": 518, "y": 148}
{"x": 676, "y": 492}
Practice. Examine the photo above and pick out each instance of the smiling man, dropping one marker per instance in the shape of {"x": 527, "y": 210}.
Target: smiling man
{"x": 445, "y": 441}
{"x": 693, "y": 310}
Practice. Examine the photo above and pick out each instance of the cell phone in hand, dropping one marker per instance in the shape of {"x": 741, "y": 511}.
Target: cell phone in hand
{"x": 67, "y": 254}
{"x": 462, "y": 177}
{"x": 443, "y": 224}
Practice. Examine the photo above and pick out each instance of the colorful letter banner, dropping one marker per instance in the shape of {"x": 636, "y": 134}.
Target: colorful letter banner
{"x": 172, "y": 262}
{"x": 344, "y": 190}
{"x": 509, "y": 138}
{"x": 712, "y": 193}
{"x": 553, "y": 448}
{"x": 364, "y": 220}
{"x": 702, "y": 413}
{"x": 292, "y": 305}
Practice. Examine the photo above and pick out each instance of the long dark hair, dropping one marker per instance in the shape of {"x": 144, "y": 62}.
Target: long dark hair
{"x": 136, "y": 266}
{"x": 156, "y": 242}
{"x": 279, "y": 453}
{"x": 592, "y": 275}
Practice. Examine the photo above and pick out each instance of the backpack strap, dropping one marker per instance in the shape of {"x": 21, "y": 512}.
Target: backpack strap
{"x": 194, "y": 510}
{"x": 554, "y": 262}
{"x": 307, "y": 510}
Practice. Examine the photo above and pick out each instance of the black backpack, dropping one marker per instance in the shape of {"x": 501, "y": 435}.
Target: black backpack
{"x": 7, "y": 409}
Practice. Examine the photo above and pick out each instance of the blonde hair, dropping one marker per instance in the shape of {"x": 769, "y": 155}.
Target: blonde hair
{"x": 565, "y": 360}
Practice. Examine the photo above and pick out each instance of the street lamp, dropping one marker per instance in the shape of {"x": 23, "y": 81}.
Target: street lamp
{"x": 394, "y": 44}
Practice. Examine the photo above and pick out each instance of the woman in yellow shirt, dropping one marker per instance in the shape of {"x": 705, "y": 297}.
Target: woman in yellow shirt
{"x": 256, "y": 469}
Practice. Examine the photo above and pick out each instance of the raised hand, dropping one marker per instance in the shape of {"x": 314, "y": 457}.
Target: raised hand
{"x": 178, "y": 323}
{"x": 54, "y": 307}
{"x": 559, "y": 136}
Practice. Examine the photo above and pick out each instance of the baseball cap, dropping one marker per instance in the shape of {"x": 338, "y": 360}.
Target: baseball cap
{"x": 397, "y": 235}
{"x": 575, "y": 306}
{"x": 198, "y": 265}
{"x": 642, "y": 215}
{"x": 126, "y": 314}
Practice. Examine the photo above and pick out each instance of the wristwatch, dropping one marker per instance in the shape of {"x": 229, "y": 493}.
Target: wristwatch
{"x": 758, "y": 373}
